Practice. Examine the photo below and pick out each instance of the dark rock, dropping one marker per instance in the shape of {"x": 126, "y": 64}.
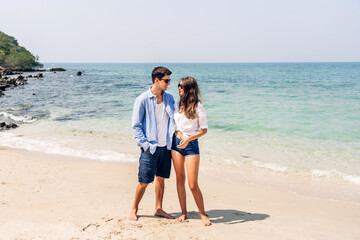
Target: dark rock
{"x": 28, "y": 70}
{"x": 20, "y": 82}
{"x": 20, "y": 77}
{"x": 56, "y": 69}
{"x": 4, "y": 126}
{"x": 7, "y": 72}
{"x": 79, "y": 73}
{"x": 12, "y": 125}
{"x": 6, "y": 82}
{"x": 40, "y": 75}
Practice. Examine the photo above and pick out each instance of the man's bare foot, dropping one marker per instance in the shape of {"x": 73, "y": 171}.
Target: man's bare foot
{"x": 133, "y": 215}
{"x": 205, "y": 220}
{"x": 182, "y": 218}
{"x": 162, "y": 213}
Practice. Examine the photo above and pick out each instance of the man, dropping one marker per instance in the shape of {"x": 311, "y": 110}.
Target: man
{"x": 153, "y": 128}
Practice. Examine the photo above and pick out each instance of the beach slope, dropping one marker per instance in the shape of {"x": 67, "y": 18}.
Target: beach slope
{"x": 54, "y": 197}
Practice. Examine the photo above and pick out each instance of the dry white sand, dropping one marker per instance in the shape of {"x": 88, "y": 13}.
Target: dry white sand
{"x": 56, "y": 197}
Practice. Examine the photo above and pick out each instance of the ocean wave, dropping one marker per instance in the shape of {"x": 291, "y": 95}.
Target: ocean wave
{"x": 330, "y": 174}
{"x": 271, "y": 166}
{"x": 13, "y": 141}
{"x": 275, "y": 167}
{"x": 19, "y": 119}
{"x": 335, "y": 173}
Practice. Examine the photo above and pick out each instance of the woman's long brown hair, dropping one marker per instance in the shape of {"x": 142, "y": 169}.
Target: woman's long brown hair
{"x": 190, "y": 99}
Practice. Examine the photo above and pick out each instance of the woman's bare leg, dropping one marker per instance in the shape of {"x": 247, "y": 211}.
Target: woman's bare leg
{"x": 179, "y": 166}
{"x": 192, "y": 169}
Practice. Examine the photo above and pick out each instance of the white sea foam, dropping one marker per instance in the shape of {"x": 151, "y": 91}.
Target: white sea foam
{"x": 335, "y": 173}
{"x": 329, "y": 174}
{"x": 11, "y": 140}
{"x": 22, "y": 119}
{"x": 271, "y": 166}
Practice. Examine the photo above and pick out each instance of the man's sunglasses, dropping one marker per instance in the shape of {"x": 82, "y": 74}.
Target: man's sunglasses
{"x": 166, "y": 80}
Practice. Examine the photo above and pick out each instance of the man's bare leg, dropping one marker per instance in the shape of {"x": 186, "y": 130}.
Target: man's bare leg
{"x": 139, "y": 193}
{"x": 159, "y": 195}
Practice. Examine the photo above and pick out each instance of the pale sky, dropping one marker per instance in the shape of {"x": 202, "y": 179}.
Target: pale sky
{"x": 185, "y": 31}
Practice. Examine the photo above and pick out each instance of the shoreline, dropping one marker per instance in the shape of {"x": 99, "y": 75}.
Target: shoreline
{"x": 97, "y": 148}
{"x": 53, "y": 196}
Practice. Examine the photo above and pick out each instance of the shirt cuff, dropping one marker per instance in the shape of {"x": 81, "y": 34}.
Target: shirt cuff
{"x": 145, "y": 145}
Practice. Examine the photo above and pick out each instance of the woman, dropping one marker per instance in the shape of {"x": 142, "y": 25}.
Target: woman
{"x": 191, "y": 123}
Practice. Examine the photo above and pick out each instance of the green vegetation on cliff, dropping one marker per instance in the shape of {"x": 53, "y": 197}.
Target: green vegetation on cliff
{"x": 14, "y": 56}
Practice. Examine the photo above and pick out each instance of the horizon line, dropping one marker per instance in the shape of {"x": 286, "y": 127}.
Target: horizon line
{"x": 212, "y": 62}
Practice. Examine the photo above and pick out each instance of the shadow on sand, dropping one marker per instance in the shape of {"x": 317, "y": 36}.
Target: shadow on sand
{"x": 227, "y": 216}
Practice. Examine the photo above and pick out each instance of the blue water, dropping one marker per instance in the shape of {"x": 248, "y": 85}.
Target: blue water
{"x": 282, "y": 115}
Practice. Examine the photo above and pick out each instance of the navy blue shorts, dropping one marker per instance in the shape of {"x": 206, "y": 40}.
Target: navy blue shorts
{"x": 191, "y": 149}
{"x": 158, "y": 163}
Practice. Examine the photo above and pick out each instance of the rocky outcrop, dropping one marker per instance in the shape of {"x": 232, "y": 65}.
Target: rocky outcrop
{"x": 4, "y": 126}
{"x": 56, "y": 69}
{"x": 40, "y": 75}
{"x": 8, "y": 71}
{"x": 7, "y": 82}
{"x": 5, "y": 71}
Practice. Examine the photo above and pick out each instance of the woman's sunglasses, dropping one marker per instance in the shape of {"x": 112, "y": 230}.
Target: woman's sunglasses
{"x": 180, "y": 86}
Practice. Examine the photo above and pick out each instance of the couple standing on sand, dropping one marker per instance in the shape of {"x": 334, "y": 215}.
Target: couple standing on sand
{"x": 154, "y": 115}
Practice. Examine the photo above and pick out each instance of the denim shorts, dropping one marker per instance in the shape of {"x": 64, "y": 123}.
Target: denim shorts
{"x": 191, "y": 149}
{"x": 158, "y": 164}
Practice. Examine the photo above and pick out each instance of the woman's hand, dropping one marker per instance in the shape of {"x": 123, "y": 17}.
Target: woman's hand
{"x": 183, "y": 143}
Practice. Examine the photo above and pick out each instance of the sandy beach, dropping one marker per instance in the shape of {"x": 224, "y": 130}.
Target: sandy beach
{"x": 47, "y": 196}
{"x": 269, "y": 92}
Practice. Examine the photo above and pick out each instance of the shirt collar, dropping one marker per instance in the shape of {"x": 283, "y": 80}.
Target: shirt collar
{"x": 149, "y": 93}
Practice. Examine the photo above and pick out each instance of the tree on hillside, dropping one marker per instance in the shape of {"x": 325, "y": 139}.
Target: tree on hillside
{"x": 14, "y": 56}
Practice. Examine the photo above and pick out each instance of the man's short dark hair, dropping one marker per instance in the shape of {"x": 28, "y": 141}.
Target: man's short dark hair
{"x": 159, "y": 73}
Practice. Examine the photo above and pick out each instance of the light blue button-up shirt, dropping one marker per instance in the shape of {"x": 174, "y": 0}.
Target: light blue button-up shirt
{"x": 144, "y": 121}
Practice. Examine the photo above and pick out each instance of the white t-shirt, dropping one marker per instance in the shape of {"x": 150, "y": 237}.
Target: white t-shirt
{"x": 190, "y": 126}
{"x": 162, "y": 120}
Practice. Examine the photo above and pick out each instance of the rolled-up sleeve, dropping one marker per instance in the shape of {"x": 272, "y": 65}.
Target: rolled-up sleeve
{"x": 201, "y": 113}
{"x": 137, "y": 126}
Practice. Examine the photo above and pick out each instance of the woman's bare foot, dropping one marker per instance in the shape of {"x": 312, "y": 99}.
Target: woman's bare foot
{"x": 182, "y": 218}
{"x": 133, "y": 215}
{"x": 205, "y": 220}
{"x": 162, "y": 213}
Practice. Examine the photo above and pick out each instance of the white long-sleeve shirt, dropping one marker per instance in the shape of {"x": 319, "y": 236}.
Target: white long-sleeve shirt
{"x": 190, "y": 126}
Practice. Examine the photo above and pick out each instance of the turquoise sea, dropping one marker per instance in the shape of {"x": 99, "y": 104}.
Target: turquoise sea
{"x": 285, "y": 117}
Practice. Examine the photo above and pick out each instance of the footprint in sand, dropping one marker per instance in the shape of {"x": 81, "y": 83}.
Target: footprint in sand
{"x": 90, "y": 226}
{"x": 110, "y": 219}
